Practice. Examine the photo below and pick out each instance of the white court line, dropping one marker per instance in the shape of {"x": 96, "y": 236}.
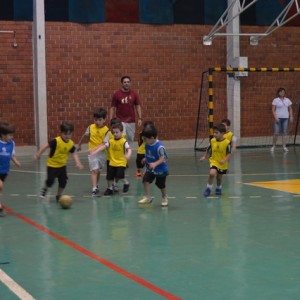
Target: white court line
{"x": 277, "y": 196}
{"x": 255, "y": 197}
{"x": 14, "y": 287}
{"x": 191, "y": 197}
{"x": 15, "y": 195}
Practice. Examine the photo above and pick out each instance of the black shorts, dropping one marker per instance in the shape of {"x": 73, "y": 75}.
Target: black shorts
{"x": 59, "y": 173}
{"x": 160, "y": 181}
{"x": 3, "y": 176}
{"x": 115, "y": 173}
{"x": 219, "y": 170}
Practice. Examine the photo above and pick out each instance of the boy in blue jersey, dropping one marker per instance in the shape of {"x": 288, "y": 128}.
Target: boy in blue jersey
{"x": 156, "y": 166}
{"x": 7, "y": 154}
{"x": 220, "y": 152}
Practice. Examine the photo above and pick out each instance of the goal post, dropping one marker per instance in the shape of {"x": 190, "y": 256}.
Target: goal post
{"x": 257, "y": 90}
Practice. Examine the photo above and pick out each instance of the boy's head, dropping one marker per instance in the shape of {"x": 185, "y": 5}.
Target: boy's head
{"x": 149, "y": 134}
{"x": 227, "y": 123}
{"x": 219, "y": 131}
{"x": 66, "y": 130}
{"x": 117, "y": 130}
{"x": 6, "y": 132}
{"x": 147, "y": 123}
{"x": 100, "y": 115}
{"x": 115, "y": 121}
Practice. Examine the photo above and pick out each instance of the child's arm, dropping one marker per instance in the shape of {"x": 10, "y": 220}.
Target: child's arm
{"x": 128, "y": 153}
{"x": 225, "y": 159}
{"x": 83, "y": 138}
{"x": 16, "y": 162}
{"x": 204, "y": 156}
{"x": 78, "y": 163}
{"x": 97, "y": 149}
{"x": 41, "y": 151}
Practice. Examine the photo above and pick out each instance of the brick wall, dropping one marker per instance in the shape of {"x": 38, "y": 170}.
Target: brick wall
{"x": 85, "y": 63}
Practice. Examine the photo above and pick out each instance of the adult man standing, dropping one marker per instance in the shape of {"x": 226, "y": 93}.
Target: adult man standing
{"x": 125, "y": 102}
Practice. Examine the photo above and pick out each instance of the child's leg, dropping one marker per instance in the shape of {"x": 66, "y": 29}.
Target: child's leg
{"x": 1, "y": 189}
{"x": 139, "y": 164}
{"x": 62, "y": 182}
{"x": 161, "y": 184}
{"x": 95, "y": 176}
{"x": 210, "y": 181}
{"x": 147, "y": 180}
{"x": 219, "y": 180}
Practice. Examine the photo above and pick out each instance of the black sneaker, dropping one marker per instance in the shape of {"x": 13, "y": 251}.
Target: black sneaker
{"x": 108, "y": 192}
{"x": 96, "y": 193}
{"x": 2, "y": 214}
{"x": 125, "y": 187}
{"x": 43, "y": 193}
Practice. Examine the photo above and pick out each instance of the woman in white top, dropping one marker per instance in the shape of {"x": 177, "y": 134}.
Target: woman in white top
{"x": 282, "y": 113}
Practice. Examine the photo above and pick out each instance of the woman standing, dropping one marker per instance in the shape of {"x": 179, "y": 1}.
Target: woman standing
{"x": 282, "y": 113}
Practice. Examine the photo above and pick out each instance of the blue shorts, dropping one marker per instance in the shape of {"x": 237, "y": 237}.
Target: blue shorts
{"x": 283, "y": 124}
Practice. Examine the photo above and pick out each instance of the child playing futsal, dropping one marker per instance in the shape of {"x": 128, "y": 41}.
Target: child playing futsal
{"x": 229, "y": 134}
{"x": 96, "y": 134}
{"x": 156, "y": 166}
{"x": 220, "y": 151}
{"x": 7, "y": 154}
{"x": 119, "y": 153}
{"x": 60, "y": 147}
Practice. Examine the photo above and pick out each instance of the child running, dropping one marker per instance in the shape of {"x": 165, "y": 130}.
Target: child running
{"x": 60, "y": 147}
{"x": 156, "y": 166}
{"x": 7, "y": 154}
{"x": 229, "y": 134}
{"x": 220, "y": 151}
{"x": 96, "y": 134}
{"x": 119, "y": 153}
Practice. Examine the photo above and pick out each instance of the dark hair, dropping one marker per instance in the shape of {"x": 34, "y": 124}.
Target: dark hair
{"x": 149, "y": 132}
{"x": 280, "y": 90}
{"x": 220, "y": 127}
{"x": 226, "y": 121}
{"x": 6, "y": 128}
{"x": 148, "y": 123}
{"x": 124, "y": 77}
{"x": 115, "y": 121}
{"x": 100, "y": 113}
{"x": 66, "y": 127}
{"x": 117, "y": 125}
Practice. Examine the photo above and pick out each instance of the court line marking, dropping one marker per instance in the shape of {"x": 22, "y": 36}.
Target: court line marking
{"x": 14, "y": 287}
{"x": 95, "y": 257}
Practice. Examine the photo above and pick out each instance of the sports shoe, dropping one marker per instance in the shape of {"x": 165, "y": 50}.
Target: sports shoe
{"x": 285, "y": 149}
{"x": 2, "y": 213}
{"x": 108, "y": 192}
{"x": 96, "y": 193}
{"x": 218, "y": 191}
{"x": 43, "y": 193}
{"x": 145, "y": 200}
{"x": 115, "y": 188}
{"x": 207, "y": 191}
{"x": 164, "y": 202}
{"x": 272, "y": 149}
{"x": 125, "y": 187}
{"x": 138, "y": 173}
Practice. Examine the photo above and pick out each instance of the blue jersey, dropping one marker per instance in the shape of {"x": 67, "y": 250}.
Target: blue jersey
{"x": 153, "y": 153}
{"x": 7, "y": 151}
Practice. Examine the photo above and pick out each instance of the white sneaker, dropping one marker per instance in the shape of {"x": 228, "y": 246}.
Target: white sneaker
{"x": 285, "y": 149}
{"x": 145, "y": 200}
{"x": 272, "y": 149}
{"x": 164, "y": 202}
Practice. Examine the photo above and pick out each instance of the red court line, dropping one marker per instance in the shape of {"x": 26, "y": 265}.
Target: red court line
{"x": 103, "y": 261}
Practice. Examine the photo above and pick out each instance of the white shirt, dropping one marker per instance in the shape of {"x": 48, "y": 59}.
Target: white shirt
{"x": 282, "y": 107}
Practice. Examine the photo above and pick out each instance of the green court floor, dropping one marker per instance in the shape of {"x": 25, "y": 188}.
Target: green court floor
{"x": 243, "y": 245}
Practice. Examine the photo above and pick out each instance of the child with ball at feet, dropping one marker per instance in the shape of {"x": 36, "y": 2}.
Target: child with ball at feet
{"x": 60, "y": 147}
{"x": 119, "y": 153}
{"x": 156, "y": 166}
{"x": 7, "y": 154}
{"x": 220, "y": 152}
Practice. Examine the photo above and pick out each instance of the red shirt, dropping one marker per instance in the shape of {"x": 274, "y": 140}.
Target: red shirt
{"x": 124, "y": 103}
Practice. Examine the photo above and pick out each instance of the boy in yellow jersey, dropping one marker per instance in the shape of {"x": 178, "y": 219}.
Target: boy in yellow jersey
{"x": 60, "y": 147}
{"x": 119, "y": 153}
{"x": 220, "y": 151}
{"x": 229, "y": 134}
{"x": 96, "y": 134}
{"x": 141, "y": 151}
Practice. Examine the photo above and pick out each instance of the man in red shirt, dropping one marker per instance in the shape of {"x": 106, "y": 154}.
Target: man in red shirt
{"x": 125, "y": 103}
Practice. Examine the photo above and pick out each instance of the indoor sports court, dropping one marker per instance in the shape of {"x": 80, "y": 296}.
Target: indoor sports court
{"x": 241, "y": 245}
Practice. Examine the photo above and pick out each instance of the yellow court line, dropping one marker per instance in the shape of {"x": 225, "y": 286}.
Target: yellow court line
{"x": 289, "y": 185}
